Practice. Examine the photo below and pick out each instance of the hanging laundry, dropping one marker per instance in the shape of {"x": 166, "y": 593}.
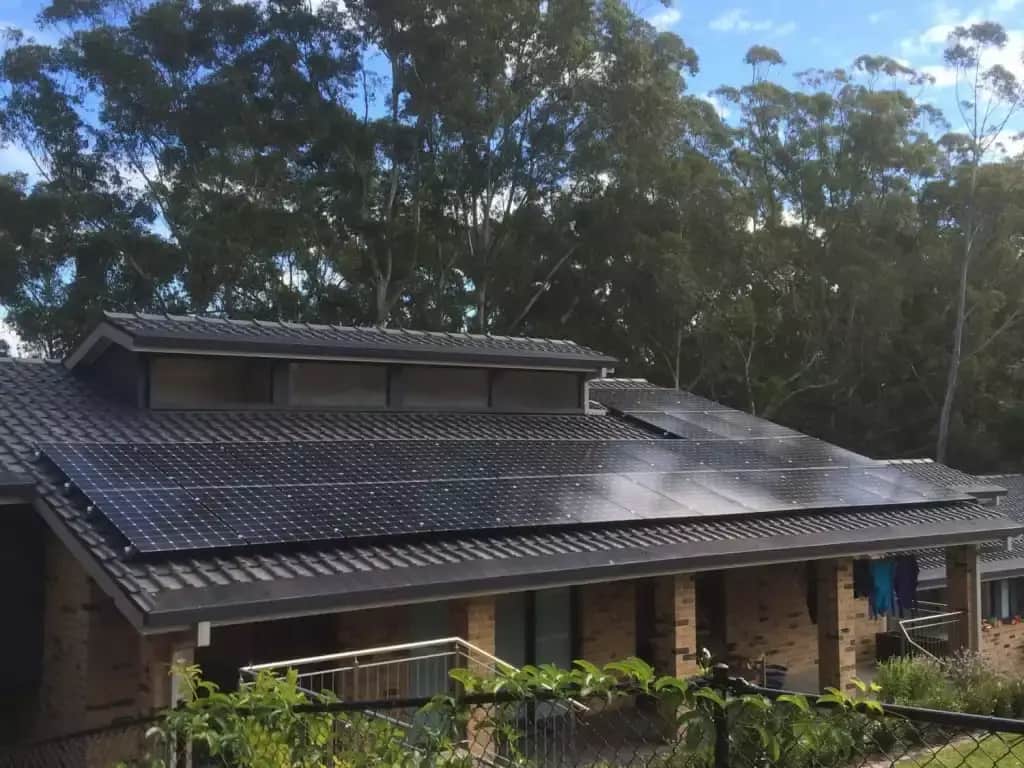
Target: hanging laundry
{"x": 862, "y": 577}
{"x": 882, "y": 574}
{"x": 905, "y": 584}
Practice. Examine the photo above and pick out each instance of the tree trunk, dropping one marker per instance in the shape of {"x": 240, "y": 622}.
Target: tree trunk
{"x": 953, "y": 374}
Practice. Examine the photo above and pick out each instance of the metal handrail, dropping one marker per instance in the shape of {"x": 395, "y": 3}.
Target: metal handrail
{"x": 425, "y": 661}
{"x": 371, "y": 652}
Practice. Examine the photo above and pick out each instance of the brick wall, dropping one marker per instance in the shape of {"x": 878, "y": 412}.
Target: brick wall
{"x": 96, "y": 668}
{"x": 766, "y": 613}
{"x": 1002, "y": 646}
{"x": 865, "y": 628}
{"x": 837, "y": 612}
{"x": 674, "y": 641}
{"x": 476, "y": 622}
{"x": 607, "y": 621}
{"x": 67, "y": 596}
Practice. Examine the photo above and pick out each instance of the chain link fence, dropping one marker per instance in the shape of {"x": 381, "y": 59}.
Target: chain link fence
{"x": 100, "y": 747}
{"x": 724, "y": 722}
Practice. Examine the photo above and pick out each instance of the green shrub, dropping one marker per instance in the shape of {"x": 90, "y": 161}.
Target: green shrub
{"x": 916, "y": 681}
{"x": 978, "y": 689}
{"x": 964, "y": 683}
{"x": 1017, "y": 698}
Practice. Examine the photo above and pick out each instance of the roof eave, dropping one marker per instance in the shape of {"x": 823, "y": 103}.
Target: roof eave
{"x": 93, "y": 345}
{"x": 108, "y": 332}
{"x": 16, "y": 489}
{"x": 239, "y": 603}
{"x": 93, "y": 568}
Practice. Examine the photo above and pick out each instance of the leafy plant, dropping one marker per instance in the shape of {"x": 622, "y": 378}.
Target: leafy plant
{"x": 267, "y": 724}
{"x": 916, "y": 681}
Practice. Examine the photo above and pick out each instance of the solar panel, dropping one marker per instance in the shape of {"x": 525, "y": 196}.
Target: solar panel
{"x": 101, "y": 465}
{"x": 187, "y": 496}
{"x": 711, "y": 425}
{"x": 164, "y": 520}
{"x": 654, "y": 399}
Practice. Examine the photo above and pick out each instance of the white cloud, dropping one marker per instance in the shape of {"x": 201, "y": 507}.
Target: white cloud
{"x": 925, "y": 48}
{"x": 738, "y": 20}
{"x": 785, "y": 28}
{"x": 714, "y": 101}
{"x": 1010, "y": 145}
{"x": 944, "y": 77}
{"x": 945, "y": 18}
{"x": 666, "y": 18}
{"x": 7, "y": 333}
{"x": 879, "y": 16}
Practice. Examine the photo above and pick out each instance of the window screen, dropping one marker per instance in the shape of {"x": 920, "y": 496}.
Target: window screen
{"x": 535, "y": 391}
{"x": 1016, "y": 597}
{"x": 510, "y": 625}
{"x": 553, "y": 627}
{"x": 453, "y": 388}
{"x": 990, "y": 601}
{"x": 209, "y": 382}
{"x": 339, "y": 384}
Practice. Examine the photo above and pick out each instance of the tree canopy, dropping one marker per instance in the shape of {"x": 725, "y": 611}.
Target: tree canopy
{"x": 839, "y": 256}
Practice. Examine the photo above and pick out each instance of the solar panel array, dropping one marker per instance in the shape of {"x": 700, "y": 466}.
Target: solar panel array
{"x": 195, "y": 496}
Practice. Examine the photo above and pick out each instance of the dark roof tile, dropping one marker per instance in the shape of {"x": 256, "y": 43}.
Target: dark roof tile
{"x": 212, "y": 335}
{"x": 941, "y": 474}
{"x": 44, "y": 401}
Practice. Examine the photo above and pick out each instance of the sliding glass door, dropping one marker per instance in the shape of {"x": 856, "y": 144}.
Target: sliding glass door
{"x": 535, "y": 627}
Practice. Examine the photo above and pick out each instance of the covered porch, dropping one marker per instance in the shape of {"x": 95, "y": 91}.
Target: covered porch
{"x": 797, "y": 621}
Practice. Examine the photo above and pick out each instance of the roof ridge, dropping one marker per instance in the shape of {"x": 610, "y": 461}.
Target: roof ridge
{"x": 204, "y": 317}
{"x": 25, "y": 360}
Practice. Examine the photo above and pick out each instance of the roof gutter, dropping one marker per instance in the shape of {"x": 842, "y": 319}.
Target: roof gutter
{"x": 16, "y": 488}
{"x": 279, "y": 599}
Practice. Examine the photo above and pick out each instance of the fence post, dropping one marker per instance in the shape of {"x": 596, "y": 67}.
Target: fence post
{"x": 720, "y": 682}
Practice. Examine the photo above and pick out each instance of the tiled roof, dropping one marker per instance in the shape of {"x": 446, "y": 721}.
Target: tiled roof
{"x": 14, "y": 485}
{"x": 1013, "y": 501}
{"x": 43, "y": 402}
{"x": 207, "y": 334}
{"x": 950, "y": 477}
{"x": 995, "y": 558}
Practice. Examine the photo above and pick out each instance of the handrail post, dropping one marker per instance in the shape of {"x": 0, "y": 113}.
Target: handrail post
{"x": 720, "y": 681}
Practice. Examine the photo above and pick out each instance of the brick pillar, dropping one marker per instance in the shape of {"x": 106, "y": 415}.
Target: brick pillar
{"x": 474, "y": 621}
{"x": 963, "y": 590}
{"x": 837, "y": 616}
{"x": 607, "y": 619}
{"x": 479, "y": 627}
{"x": 674, "y": 645}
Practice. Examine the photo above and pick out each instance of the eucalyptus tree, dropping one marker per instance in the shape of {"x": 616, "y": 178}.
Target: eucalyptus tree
{"x": 988, "y": 97}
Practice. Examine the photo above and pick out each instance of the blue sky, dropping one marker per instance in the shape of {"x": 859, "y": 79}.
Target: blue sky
{"x": 827, "y": 34}
{"x": 808, "y": 33}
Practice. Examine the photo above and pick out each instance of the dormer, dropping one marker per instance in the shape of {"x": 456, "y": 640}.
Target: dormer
{"x": 189, "y": 362}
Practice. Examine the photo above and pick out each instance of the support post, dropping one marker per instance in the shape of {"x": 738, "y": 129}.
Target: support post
{"x": 475, "y": 621}
{"x": 837, "y": 611}
{"x": 674, "y": 645}
{"x": 963, "y": 589}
